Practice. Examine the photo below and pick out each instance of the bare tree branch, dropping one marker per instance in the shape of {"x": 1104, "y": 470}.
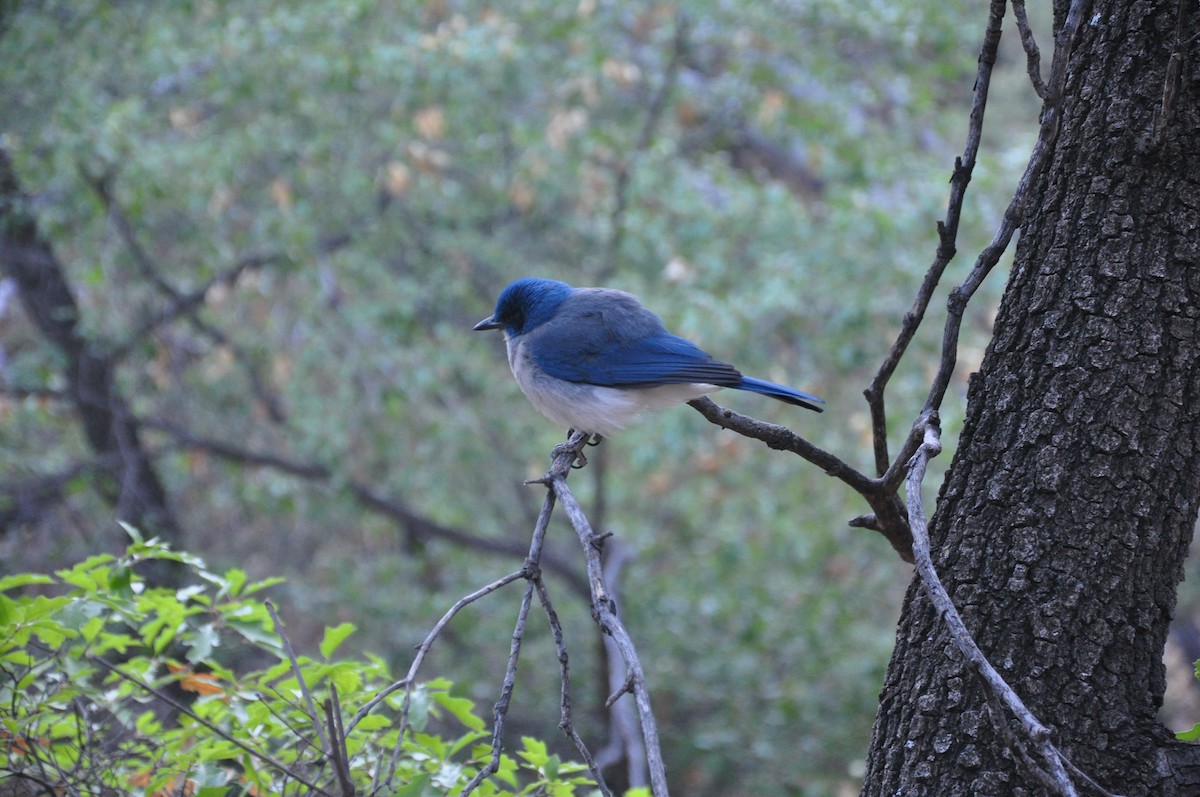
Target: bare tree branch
{"x": 964, "y": 166}
{"x": 187, "y": 305}
{"x": 29, "y": 260}
{"x": 369, "y": 496}
{"x": 1033, "y": 56}
{"x": 623, "y": 169}
{"x": 566, "y": 722}
{"x": 1014, "y": 215}
{"x": 338, "y": 752}
{"x": 624, "y": 742}
{"x": 888, "y": 516}
{"x": 500, "y": 710}
{"x": 604, "y": 609}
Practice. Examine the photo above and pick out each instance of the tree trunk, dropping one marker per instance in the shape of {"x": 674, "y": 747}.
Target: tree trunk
{"x": 1064, "y": 521}
{"x": 132, "y": 485}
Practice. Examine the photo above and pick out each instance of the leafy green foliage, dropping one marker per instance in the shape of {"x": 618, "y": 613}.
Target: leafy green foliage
{"x": 111, "y": 684}
{"x": 403, "y": 161}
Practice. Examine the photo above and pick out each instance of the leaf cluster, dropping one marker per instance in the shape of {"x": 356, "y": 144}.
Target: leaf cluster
{"x": 109, "y": 686}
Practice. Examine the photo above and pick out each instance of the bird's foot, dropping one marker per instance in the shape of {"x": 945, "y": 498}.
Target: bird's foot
{"x": 574, "y": 445}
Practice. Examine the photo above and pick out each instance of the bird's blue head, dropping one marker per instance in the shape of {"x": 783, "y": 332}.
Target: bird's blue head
{"x": 525, "y": 305}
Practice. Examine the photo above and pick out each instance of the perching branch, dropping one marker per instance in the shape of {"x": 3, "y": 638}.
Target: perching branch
{"x": 532, "y": 573}
{"x": 888, "y": 516}
{"x": 625, "y": 742}
{"x": 604, "y": 609}
{"x": 566, "y": 723}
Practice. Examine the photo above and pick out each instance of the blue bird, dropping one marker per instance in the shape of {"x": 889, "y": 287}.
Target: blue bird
{"x": 594, "y": 359}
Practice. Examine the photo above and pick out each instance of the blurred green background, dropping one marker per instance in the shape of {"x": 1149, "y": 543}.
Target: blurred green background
{"x": 766, "y": 176}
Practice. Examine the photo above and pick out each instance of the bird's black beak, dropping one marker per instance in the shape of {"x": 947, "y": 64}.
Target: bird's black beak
{"x": 487, "y": 323}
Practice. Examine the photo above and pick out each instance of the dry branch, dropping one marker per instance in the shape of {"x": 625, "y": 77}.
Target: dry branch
{"x": 1052, "y": 768}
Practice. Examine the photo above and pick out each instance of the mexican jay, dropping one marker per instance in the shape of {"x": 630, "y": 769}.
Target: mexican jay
{"x": 594, "y": 359}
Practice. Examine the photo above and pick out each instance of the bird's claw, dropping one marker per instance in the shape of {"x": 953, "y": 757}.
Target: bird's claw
{"x": 575, "y": 448}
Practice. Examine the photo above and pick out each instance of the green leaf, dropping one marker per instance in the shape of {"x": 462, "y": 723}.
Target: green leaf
{"x": 19, "y": 657}
{"x": 335, "y": 636}
{"x": 22, "y": 580}
{"x": 235, "y": 579}
{"x": 254, "y": 633}
{"x": 264, "y": 584}
{"x": 414, "y": 789}
{"x": 1191, "y": 735}
{"x": 373, "y": 722}
{"x": 132, "y": 531}
{"x": 461, "y": 708}
{"x": 201, "y": 642}
{"x": 91, "y": 629}
{"x": 533, "y": 752}
{"x": 120, "y": 578}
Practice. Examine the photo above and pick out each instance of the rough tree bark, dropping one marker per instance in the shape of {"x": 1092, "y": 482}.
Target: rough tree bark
{"x": 1064, "y": 521}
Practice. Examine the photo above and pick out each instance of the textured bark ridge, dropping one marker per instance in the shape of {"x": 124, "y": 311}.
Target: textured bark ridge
{"x": 1065, "y": 518}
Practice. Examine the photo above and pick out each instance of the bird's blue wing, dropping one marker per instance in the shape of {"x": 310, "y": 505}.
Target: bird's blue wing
{"x": 604, "y": 337}
{"x": 647, "y": 362}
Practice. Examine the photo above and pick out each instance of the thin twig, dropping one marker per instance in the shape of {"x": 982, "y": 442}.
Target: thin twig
{"x": 341, "y": 760}
{"x": 565, "y": 722}
{"x": 888, "y": 516}
{"x": 1033, "y": 56}
{"x": 500, "y": 710}
{"x": 189, "y": 303}
{"x": 291, "y": 654}
{"x": 182, "y": 304}
{"x": 535, "y": 552}
{"x": 175, "y": 704}
{"x": 409, "y": 679}
{"x": 1014, "y": 216}
{"x": 1164, "y": 114}
{"x": 964, "y": 166}
{"x": 625, "y": 741}
{"x": 426, "y": 644}
{"x": 1055, "y": 773}
{"x": 604, "y": 610}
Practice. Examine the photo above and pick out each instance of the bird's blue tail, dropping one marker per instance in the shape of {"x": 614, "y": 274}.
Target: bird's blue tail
{"x": 785, "y": 394}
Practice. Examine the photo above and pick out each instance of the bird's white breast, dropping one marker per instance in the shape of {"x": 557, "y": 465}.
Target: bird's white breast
{"x": 592, "y": 408}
